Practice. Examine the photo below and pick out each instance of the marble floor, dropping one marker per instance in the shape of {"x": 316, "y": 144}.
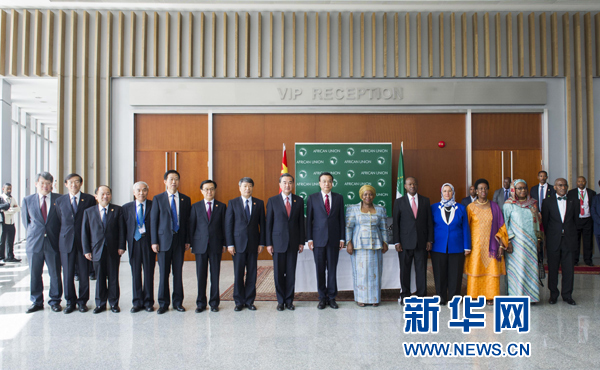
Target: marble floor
{"x": 561, "y": 336}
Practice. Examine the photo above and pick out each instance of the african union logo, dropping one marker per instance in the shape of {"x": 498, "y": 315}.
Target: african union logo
{"x": 350, "y": 174}
{"x": 302, "y": 151}
{"x": 302, "y": 174}
{"x": 381, "y": 203}
{"x": 350, "y": 195}
{"x": 333, "y": 160}
{"x": 381, "y": 160}
{"x": 350, "y": 151}
{"x": 334, "y": 183}
{"x": 303, "y": 195}
{"x": 381, "y": 182}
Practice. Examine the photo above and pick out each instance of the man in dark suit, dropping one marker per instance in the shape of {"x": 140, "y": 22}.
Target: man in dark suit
{"x": 103, "y": 242}
{"x": 8, "y": 209}
{"x": 583, "y": 196}
{"x": 168, "y": 228}
{"x": 325, "y": 232}
{"x": 43, "y": 226}
{"x": 413, "y": 236}
{"x": 70, "y": 208}
{"x": 501, "y": 195}
{"x": 543, "y": 190}
{"x": 285, "y": 239}
{"x": 207, "y": 234}
{"x": 245, "y": 236}
{"x": 141, "y": 256}
{"x": 560, "y": 225}
{"x": 471, "y": 198}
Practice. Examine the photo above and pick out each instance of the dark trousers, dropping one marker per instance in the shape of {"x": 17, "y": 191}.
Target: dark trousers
{"x": 284, "y": 270}
{"x": 563, "y": 258}
{"x": 244, "y": 292}
{"x": 7, "y": 241}
{"x": 585, "y": 231}
{"x": 90, "y": 269}
{"x": 171, "y": 258}
{"x": 447, "y": 274}
{"x": 406, "y": 259}
{"x": 202, "y": 264}
{"x": 36, "y": 269}
{"x": 326, "y": 259}
{"x": 142, "y": 259}
{"x": 107, "y": 268}
{"x": 71, "y": 261}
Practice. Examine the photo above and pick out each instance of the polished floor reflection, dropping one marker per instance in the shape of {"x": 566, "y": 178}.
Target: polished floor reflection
{"x": 561, "y": 336}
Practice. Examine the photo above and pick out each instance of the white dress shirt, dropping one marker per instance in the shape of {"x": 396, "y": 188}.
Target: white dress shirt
{"x": 289, "y": 197}
{"x": 14, "y": 208}
{"x": 176, "y": 201}
{"x": 329, "y": 196}
{"x": 40, "y": 196}
{"x": 410, "y": 199}
{"x": 76, "y": 196}
{"x": 142, "y": 229}
{"x": 562, "y": 207}
{"x": 249, "y": 204}
{"x": 586, "y": 203}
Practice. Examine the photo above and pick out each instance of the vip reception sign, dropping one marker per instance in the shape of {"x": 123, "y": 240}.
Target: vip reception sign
{"x": 352, "y": 166}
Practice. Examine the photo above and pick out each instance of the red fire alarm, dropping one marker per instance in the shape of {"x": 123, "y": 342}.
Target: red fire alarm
{"x": 441, "y": 144}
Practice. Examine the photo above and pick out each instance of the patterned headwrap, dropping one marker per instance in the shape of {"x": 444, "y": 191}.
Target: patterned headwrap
{"x": 527, "y": 203}
{"x": 366, "y": 188}
{"x": 450, "y": 202}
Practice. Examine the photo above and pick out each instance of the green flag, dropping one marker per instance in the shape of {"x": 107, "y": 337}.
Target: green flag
{"x": 400, "y": 181}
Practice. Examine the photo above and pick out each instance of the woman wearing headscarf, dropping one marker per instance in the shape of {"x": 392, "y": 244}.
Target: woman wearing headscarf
{"x": 367, "y": 241}
{"x": 523, "y": 226}
{"x": 485, "y": 264}
{"x": 452, "y": 242}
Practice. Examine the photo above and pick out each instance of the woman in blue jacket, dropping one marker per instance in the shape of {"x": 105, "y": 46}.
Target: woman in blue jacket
{"x": 452, "y": 242}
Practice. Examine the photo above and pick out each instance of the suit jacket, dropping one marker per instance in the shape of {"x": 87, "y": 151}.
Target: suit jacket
{"x": 554, "y": 225}
{"x": 244, "y": 235}
{"x": 130, "y": 222}
{"x": 95, "y": 237}
{"x": 573, "y": 195}
{"x": 499, "y": 197}
{"x": 283, "y": 231}
{"x": 410, "y": 232}
{"x": 207, "y": 235}
{"x": 466, "y": 201}
{"x": 595, "y": 211}
{"x": 161, "y": 224}
{"x": 37, "y": 229}
{"x": 70, "y": 224}
{"x": 456, "y": 234}
{"x": 535, "y": 193}
{"x": 325, "y": 229}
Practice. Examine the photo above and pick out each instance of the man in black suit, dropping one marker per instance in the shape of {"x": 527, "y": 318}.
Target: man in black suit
{"x": 560, "y": 225}
{"x": 245, "y": 236}
{"x": 103, "y": 241}
{"x": 43, "y": 227}
{"x": 141, "y": 256}
{"x": 285, "y": 239}
{"x": 168, "y": 228}
{"x": 70, "y": 208}
{"x": 471, "y": 198}
{"x": 543, "y": 190}
{"x": 325, "y": 232}
{"x": 583, "y": 196}
{"x": 207, "y": 234}
{"x": 501, "y": 195}
{"x": 413, "y": 236}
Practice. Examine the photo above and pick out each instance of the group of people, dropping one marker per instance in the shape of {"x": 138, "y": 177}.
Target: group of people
{"x": 480, "y": 238}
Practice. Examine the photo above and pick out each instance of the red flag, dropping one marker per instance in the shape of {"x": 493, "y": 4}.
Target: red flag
{"x": 284, "y": 167}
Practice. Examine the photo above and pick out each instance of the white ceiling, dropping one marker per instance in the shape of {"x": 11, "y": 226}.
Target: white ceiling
{"x": 36, "y": 96}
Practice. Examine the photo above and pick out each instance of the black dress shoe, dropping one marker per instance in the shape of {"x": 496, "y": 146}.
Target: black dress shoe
{"x": 200, "y": 309}
{"x": 552, "y": 301}
{"x": 161, "y": 310}
{"x": 290, "y": 307}
{"x": 570, "y": 301}
{"x": 214, "y": 309}
{"x": 83, "y": 308}
{"x": 92, "y": 276}
{"x": 56, "y": 307}
{"x": 180, "y": 308}
{"x": 149, "y": 309}
{"x": 322, "y": 304}
{"x": 279, "y": 306}
{"x": 590, "y": 264}
{"x": 238, "y": 308}
{"x": 115, "y": 309}
{"x": 333, "y": 304}
{"x": 99, "y": 309}
{"x": 70, "y": 308}
{"x": 13, "y": 260}
{"x": 33, "y": 308}
{"x": 135, "y": 309}
{"x": 251, "y": 307}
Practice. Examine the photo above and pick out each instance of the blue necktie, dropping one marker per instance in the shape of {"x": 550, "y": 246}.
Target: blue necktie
{"x": 104, "y": 218}
{"x": 174, "y": 214}
{"x": 247, "y": 210}
{"x": 505, "y": 195}
{"x": 74, "y": 205}
{"x": 139, "y": 216}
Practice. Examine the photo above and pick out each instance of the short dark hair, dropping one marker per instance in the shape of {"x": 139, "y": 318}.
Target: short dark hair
{"x": 325, "y": 174}
{"x": 46, "y": 176}
{"x": 170, "y": 172}
{"x": 71, "y": 175}
{"x": 410, "y": 177}
{"x": 543, "y": 172}
{"x": 7, "y": 184}
{"x": 286, "y": 175}
{"x": 247, "y": 180}
{"x": 99, "y": 186}
{"x": 482, "y": 181}
{"x": 208, "y": 182}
